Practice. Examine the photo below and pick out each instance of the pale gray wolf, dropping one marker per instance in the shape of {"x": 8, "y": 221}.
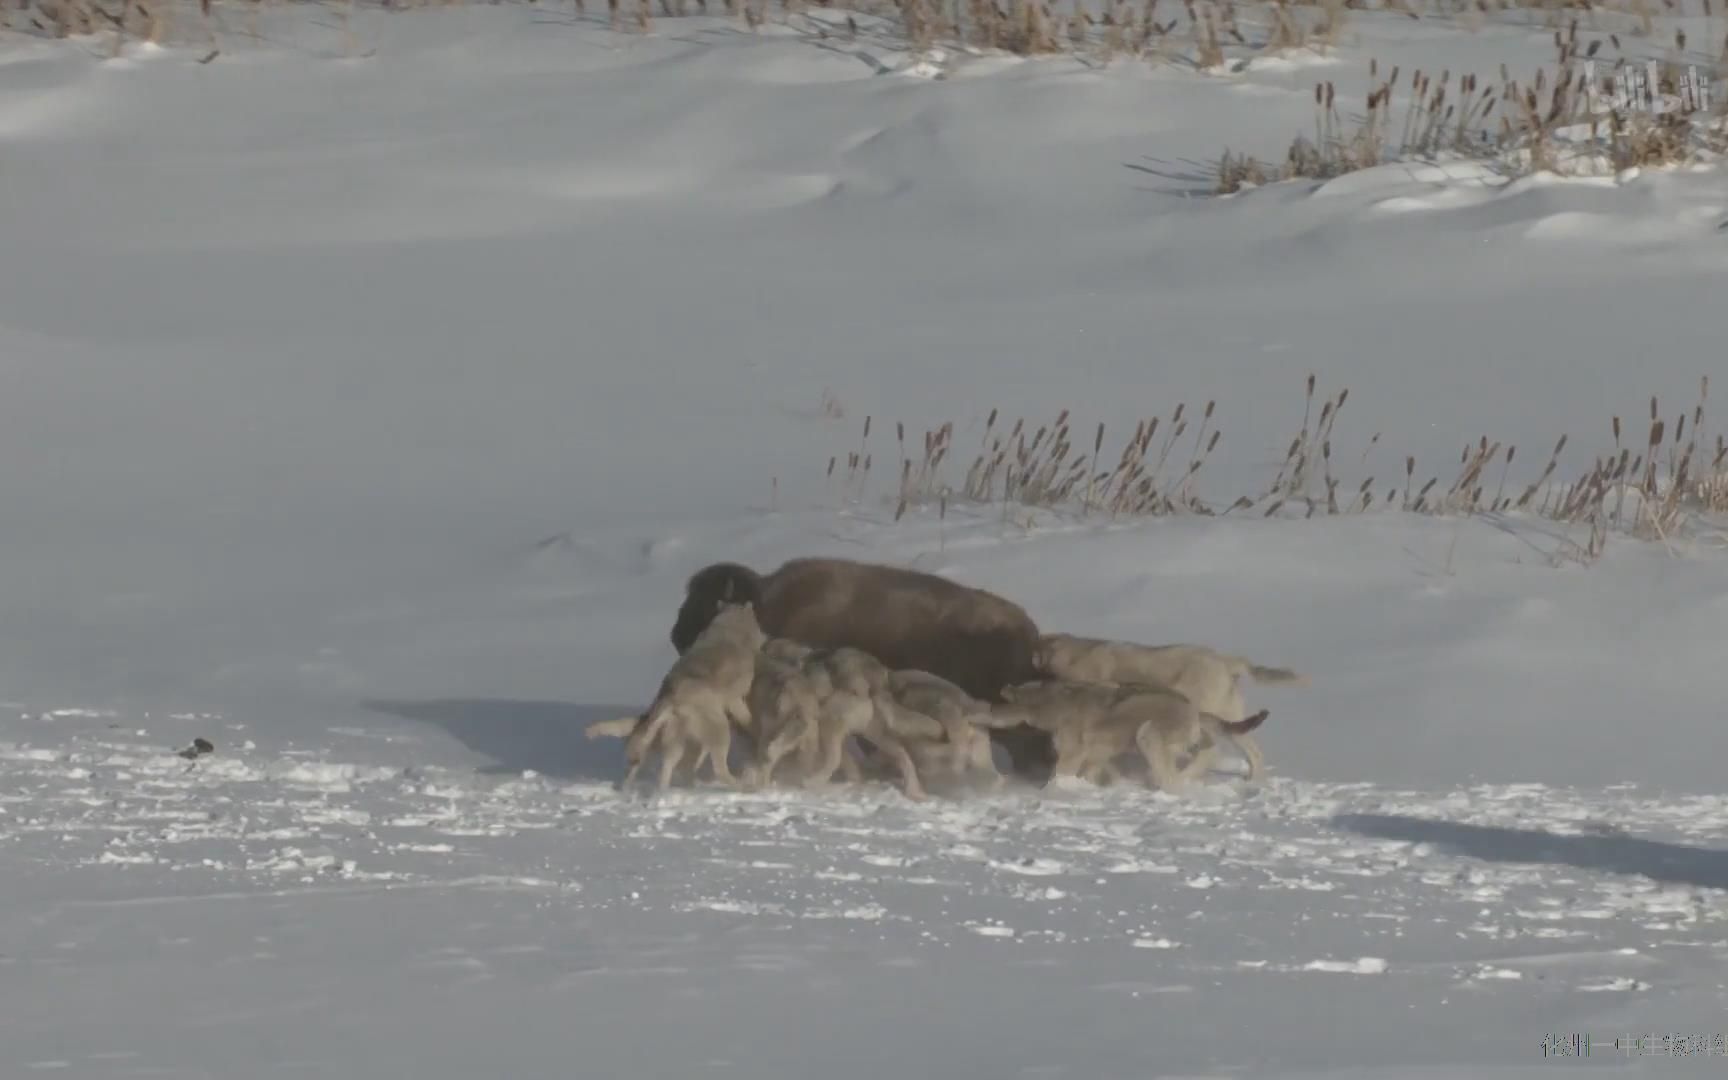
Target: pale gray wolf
{"x": 785, "y": 714}
{"x": 907, "y": 619}
{"x": 960, "y": 752}
{"x": 1092, "y": 724}
{"x": 701, "y": 697}
{"x": 820, "y": 679}
{"x": 1207, "y": 677}
{"x": 939, "y": 699}
{"x": 964, "y": 754}
{"x": 623, "y": 727}
{"x": 906, "y": 702}
{"x": 852, "y": 687}
{"x": 942, "y": 761}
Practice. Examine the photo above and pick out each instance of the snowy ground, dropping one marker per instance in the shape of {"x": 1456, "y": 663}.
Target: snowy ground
{"x": 306, "y": 359}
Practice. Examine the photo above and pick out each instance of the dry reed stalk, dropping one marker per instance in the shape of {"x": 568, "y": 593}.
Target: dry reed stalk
{"x": 1660, "y": 493}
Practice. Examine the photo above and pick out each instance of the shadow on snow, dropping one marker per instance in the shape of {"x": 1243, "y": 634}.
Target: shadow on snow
{"x": 546, "y": 736}
{"x": 1611, "y": 853}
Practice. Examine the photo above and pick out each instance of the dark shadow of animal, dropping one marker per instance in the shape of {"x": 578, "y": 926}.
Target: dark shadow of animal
{"x": 545, "y": 736}
{"x": 1610, "y": 852}
{"x": 907, "y": 619}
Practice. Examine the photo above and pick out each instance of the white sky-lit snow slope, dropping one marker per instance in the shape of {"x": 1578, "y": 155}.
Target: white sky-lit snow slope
{"x": 365, "y": 409}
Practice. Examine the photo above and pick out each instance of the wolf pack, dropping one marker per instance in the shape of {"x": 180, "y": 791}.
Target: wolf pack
{"x": 810, "y": 669}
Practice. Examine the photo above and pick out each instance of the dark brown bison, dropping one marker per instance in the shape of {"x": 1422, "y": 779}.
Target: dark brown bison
{"x": 907, "y": 619}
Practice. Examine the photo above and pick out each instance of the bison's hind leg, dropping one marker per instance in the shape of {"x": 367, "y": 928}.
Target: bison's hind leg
{"x": 1031, "y": 754}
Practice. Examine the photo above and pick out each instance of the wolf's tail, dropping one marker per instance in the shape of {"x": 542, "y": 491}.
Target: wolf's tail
{"x": 1274, "y": 676}
{"x": 1245, "y": 725}
{"x": 612, "y": 729}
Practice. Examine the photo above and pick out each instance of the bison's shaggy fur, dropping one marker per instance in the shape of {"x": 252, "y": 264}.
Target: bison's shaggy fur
{"x": 907, "y": 619}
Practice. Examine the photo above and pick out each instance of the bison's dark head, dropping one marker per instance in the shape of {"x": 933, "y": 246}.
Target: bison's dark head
{"x": 707, "y": 590}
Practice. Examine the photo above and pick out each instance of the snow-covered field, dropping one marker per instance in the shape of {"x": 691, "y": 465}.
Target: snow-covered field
{"x": 364, "y": 415}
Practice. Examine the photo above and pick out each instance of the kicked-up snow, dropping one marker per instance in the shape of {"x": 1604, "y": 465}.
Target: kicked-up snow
{"x": 364, "y": 415}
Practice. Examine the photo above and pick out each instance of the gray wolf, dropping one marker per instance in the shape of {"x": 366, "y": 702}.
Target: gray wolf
{"x": 964, "y": 752}
{"x": 785, "y": 715}
{"x": 1092, "y": 724}
{"x": 852, "y": 689}
{"x": 700, "y": 698}
{"x": 1207, "y": 677}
